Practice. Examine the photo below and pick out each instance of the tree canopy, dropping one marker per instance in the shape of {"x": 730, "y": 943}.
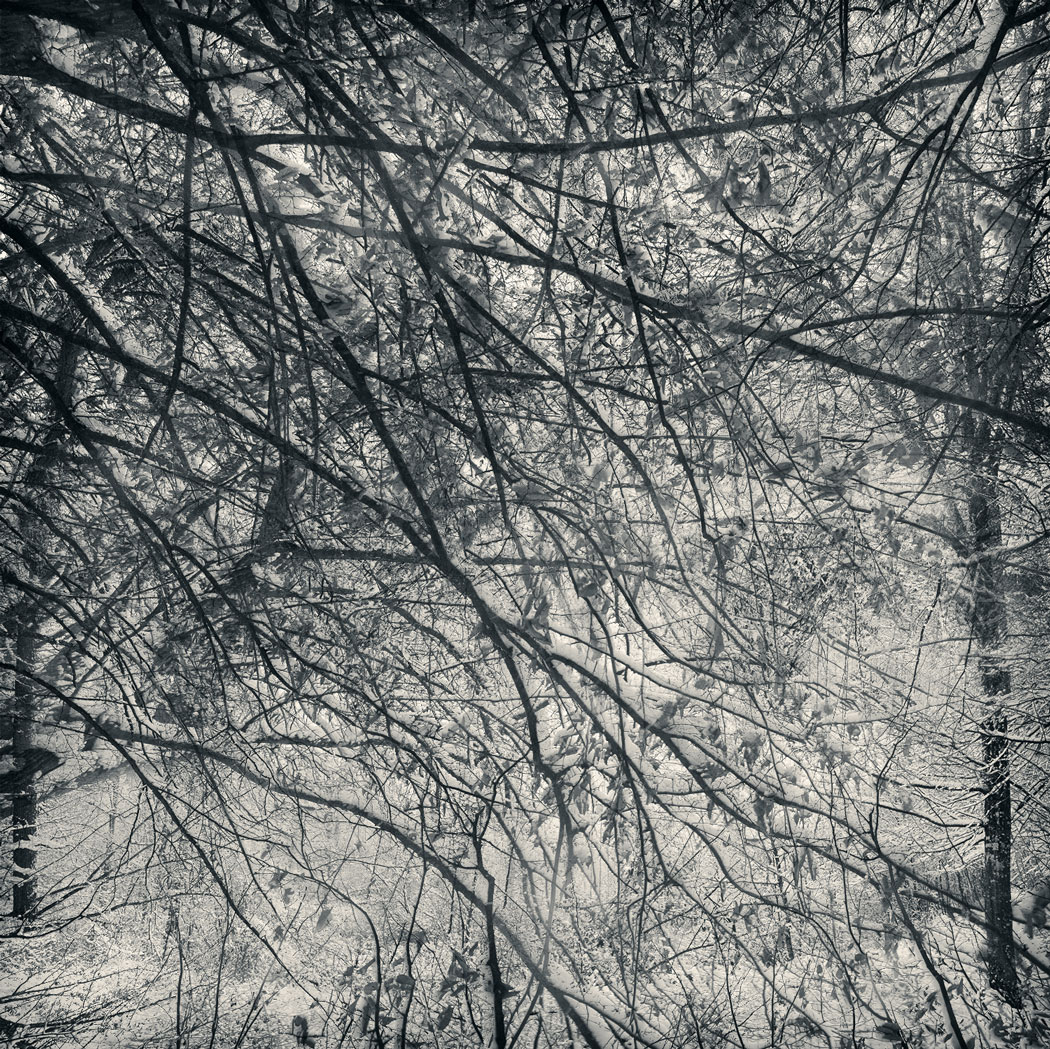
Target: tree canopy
{"x": 524, "y": 524}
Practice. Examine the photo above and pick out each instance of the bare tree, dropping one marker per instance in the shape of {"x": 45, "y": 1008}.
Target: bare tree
{"x": 514, "y": 512}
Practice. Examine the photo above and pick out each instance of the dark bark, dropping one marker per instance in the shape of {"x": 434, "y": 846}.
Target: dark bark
{"x": 29, "y": 759}
{"x": 989, "y": 625}
{"x": 499, "y": 1022}
{"x": 23, "y": 794}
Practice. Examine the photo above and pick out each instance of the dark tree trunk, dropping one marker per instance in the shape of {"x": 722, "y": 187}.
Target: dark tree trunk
{"x": 28, "y": 759}
{"x": 23, "y": 798}
{"x": 499, "y": 1021}
{"x": 988, "y": 621}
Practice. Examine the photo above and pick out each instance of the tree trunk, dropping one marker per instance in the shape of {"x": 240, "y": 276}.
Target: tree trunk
{"x": 496, "y": 1032}
{"x": 23, "y": 799}
{"x": 28, "y": 758}
{"x": 988, "y": 622}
